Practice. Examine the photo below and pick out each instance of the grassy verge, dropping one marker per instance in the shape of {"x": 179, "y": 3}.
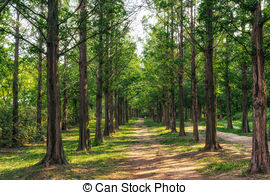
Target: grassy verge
{"x": 98, "y": 163}
{"x": 220, "y": 167}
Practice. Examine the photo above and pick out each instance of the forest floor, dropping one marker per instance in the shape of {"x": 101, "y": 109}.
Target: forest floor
{"x": 101, "y": 162}
{"x": 160, "y": 154}
{"x": 140, "y": 150}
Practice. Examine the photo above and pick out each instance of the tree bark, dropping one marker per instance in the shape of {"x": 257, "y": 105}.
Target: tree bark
{"x": 107, "y": 72}
{"x": 173, "y": 110}
{"x": 116, "y": 112}
{"x": 167, "y": 114}
{"x": 84, "y": 137}
{"x": 120, "y": 118}
{"x": 227, "y": 88}
{"x": 123, "y": 110}
{"x": 260, "y": 153}
{"x": 193, "y": 77}
{"x": 39, "y": 95}
{"x": 211, "y": 142}
{"x": 107, "y": 123}
{"x": 173, "y": 125}
{"x": 99, "y": 135}
{"x": 55, "y": 152}
{"x": 111, "y": 112}
{"x": 65, "y": 97}
{"x": 245, "y": 125}
{"x": 164, "y": 116}
{"x": 15, "y": 90}
{"x": 126, "y": 108}
{"x": 180, "y": 76}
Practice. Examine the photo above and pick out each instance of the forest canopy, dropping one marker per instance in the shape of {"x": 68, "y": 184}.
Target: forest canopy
{"x": 77, "y": 64}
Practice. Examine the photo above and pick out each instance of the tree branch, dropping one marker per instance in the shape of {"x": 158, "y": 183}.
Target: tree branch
{"x": 4, "y": 5}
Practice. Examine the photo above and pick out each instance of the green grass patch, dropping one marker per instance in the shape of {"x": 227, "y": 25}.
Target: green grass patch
{"x": 218, "y": 167}
{"x": 150, "y": 123}
{"x": 97, "y": 163}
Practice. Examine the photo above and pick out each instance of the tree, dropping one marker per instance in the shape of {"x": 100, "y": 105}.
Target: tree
{"x": 99, "y": 135}
{"x": 55, "y": 151}
{"x": 39, "y": 96}
{"x": 84, "y": 140}
{"x": 211, "y": 142}
{"x": 15, "y": 86}
{"x": 180, "y": 75}
{"x": 193, "y": 75}
{"x": 260, "y": 161}
{"x": 227, "y": 86}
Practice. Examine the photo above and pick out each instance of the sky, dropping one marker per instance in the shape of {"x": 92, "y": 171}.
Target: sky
{"x": 136, "y": 28}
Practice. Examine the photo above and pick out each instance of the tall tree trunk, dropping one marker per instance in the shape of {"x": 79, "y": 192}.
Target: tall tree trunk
{"x": 164, "y": 116}
{"x": 123, "y": 110}
{"x": 111, "y": 112}
{"x": 107, "y": 123}
{"x": 65, "y": 96}
{"x": 116, "y": 112}
{"x": 173, "y": 125}
{"x": 180, "y": 76}
{"x": 107, "y": 73}
{"x": 173, "y": 110}
{"x": 55, "y": 152}
{"x": 269, "y": 126}
{"x": 126, "y": 107}
{"x": 193, "y": 77}
{"x": 39, "y": 95}
{"x": 120, "y": 118}
{"x": 167, "y": 114}
{"x": 15, "y": 86}
{"x": 99, "y": 135}
{"x": 227, "y": 88}
{"x": 211, "y": 142}
{"x": 245, "y": 125}
{"x": 84, "y": 137}
{"x": 260, "y": 153}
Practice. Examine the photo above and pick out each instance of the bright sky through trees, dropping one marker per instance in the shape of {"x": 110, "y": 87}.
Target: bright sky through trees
{"x": 136, "y": 29}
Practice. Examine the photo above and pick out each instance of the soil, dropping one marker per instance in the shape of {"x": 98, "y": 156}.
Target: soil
{"x": 148, "y": 160}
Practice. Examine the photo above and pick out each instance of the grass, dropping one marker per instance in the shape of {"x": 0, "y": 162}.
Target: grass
{"x": 223, "y": 167}
{"x": 98, "y": 163}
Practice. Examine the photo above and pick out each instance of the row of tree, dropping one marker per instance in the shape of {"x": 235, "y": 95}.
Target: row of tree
{"x": 81, "y": 37}
{"x": 221, "y": 45}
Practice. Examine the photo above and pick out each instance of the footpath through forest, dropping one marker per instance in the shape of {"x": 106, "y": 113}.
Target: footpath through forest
{"x": 148, "y": 159}
{"x": 235, "y": 139}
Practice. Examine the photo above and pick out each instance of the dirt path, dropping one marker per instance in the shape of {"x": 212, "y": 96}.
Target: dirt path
{"x": 149, "y": 161}
{"x": 235, "y": 139}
